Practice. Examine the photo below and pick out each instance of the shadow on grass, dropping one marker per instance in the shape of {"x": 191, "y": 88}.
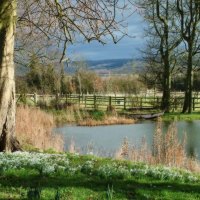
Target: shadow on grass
{"x": 126, "y": 189}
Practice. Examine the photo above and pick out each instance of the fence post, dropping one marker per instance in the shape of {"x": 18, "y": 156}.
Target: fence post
{"x": 66, "y": 100}
{"x": 175, "y": 103}
{"x": 110, "y": 102}
{"x": 35, "y": 98}
{"x": 124, "y": 103}
{"x": 95, "y": 103}
{"x": 79, "y": 100}
{"x": 193, "y": 103}
{"x": 57, "y": 100}
{"x": 158, "y": 105}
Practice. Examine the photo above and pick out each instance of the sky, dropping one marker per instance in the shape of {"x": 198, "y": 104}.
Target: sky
{"x": 126, "y": 48}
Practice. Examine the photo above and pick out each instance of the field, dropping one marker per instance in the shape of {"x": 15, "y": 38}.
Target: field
{"x": 70, "y": 176}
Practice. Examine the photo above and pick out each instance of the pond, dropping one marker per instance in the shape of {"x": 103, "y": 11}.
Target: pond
{"x": 106, "y": 140}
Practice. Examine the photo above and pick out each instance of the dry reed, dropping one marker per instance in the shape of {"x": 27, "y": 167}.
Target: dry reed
{"x": 109, "y": 120}
{"x": 72, "y": 146}
{"x": 72, "y": 114}
{"x": 34, "y": 127}
{"x": 167, "y": 150}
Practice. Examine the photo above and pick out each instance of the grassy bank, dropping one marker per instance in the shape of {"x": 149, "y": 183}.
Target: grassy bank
{"x": 34, "y": 126}
{"x": 88, "y": 117}
{"x": 69, "y": 176}
{"x": 73, "y": 177}
{"x": 108, "y": 120}
{"x": 181, "y": 116}
{"x": 173, "y": 116}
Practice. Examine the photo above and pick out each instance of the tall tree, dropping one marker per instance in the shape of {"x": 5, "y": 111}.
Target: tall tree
{"x": 7, "y": 82}
{"x": 188, "y": 12}
{"x": 162, "y": 40}
{"x": 64, "y": 21}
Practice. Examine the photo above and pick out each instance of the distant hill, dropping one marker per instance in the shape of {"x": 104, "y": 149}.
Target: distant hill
{"x": 102, "y": 67}
{"x": 111, "y": 66}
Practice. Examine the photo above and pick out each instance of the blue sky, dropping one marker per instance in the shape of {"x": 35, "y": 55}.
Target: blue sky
{"x": 126, "y": 48}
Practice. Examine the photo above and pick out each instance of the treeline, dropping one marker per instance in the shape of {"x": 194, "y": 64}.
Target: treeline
{"x": 173, "y": 45}
{"x": 153, "y": 80}
{"x": 48, "y": 79}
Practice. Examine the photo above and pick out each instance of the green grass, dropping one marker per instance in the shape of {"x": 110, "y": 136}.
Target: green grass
{"x": 85, "y": 187}
{"x": 173, "y": 116}
{"x": 181, "y": 116}
{"x": 97, "y": 114}
{"x": 104, "y": 179}
{"x": 64, "y": 116}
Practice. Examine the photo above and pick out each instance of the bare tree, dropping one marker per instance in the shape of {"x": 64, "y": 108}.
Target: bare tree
{"x": 63, "y": 21}
{"x": 188, "y": 13}
{"x": 162, "y": 40}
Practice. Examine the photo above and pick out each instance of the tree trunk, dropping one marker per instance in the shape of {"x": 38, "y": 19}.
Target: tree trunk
{"x": 187, "y": 107}
{"x": 166, "y": 84}
{"x": 166, "y": 88}
{"x": 7, "y": 82}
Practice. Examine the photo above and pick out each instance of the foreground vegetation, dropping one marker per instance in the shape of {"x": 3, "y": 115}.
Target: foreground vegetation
{"x": 34, "y": 126}
{"x": 34, "y": 130}
{"x": 70, "y": 176}
{"x": 163, "y": 172}
{"x": 83, "y": 117}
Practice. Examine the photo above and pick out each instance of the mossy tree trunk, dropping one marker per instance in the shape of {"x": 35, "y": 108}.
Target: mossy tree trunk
{"x": 7, "y": 82}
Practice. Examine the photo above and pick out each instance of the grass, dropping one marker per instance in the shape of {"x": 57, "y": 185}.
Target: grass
{"x": 91, "y": 178}
{"x": 181, "y": 116}
{"x": 108, "y": 120}
{"x": 173, "y": 116}
{"x": 74, "y": 114}
{"x": 71, "y": 176}
{"x": 71, "y": 188}
{"x": 88, "y": 117}
{"x": 69, "y": 115}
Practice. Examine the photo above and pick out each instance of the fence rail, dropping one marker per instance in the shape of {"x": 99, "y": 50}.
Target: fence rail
{"x": 104, "y": 102}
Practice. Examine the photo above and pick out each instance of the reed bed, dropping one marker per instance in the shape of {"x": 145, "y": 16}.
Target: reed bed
{"x": 108, "y": 120}
{"x": 72, "y": 114}
{"x": 34, "y": 127}
{"x": 166, "y": 150}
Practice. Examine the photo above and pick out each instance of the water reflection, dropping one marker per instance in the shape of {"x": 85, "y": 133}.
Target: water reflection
{"x": 105, "y": 140}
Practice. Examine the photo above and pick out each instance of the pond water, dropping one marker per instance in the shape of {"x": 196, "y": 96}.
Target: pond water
{"x": 106, "y": 140}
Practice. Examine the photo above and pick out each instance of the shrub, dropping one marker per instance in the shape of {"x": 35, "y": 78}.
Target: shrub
{"x": 97, "y": 115}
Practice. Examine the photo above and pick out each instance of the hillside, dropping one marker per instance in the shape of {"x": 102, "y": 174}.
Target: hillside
{"x": 102, "y": 67}
{"x": 111, "y": 66}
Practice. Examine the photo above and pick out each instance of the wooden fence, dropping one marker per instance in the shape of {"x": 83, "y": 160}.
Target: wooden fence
{"x": 104, "y": 102}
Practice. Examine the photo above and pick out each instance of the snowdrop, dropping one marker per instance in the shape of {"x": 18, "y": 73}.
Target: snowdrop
{"x": 48, "y": 164}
